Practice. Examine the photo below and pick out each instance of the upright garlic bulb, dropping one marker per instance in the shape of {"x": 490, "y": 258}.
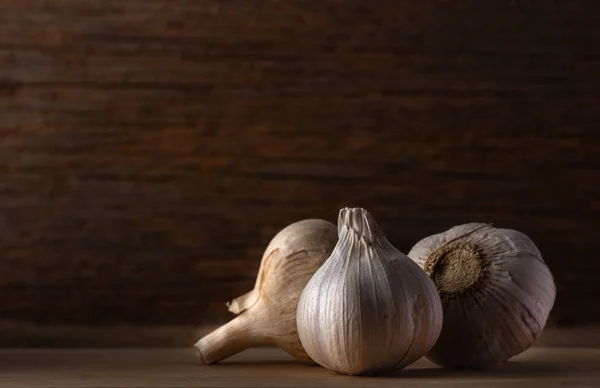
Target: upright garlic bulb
{"x": 369, "y": 308}
{"x": 496, "y": 290}
{"x": 267, "y": 314}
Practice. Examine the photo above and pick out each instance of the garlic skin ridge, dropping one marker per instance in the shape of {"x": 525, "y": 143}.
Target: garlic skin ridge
{"x": 369, "y": 309}
{"x": 496, "y": 290}
{"x": 267, "y": 314}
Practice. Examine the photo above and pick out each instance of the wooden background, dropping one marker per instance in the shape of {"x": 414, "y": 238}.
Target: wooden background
{"x": 151, "y": 148}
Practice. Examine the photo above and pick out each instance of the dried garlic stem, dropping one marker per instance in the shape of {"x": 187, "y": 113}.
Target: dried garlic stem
{"x": 229, "y": 339}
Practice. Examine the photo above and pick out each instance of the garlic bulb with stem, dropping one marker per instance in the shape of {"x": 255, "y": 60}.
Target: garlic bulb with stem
{"x": 369, "y": 308}
{"x": 496, "y": 291}
{"x": 267, "y": 314}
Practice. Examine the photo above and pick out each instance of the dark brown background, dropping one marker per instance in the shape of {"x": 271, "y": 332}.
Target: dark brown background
{"x": 150, "y": 149}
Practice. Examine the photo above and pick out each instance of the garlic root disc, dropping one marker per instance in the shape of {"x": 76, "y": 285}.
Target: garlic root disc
{"x": 496, "y": 292}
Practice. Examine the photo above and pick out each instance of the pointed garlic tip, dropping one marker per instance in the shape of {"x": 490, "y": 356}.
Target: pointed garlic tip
{"x": 496, "y": 291}
{"x": 369, "y": 309}
{"x": 267, "y": 314}
{"x": 360, "y": 222}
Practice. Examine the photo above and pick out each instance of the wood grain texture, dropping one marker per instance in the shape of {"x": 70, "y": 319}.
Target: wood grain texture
{"x": 150, "y": 149}
{"x": 83, "y": 368}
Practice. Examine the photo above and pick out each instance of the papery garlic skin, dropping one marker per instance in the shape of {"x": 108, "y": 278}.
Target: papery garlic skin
{"x": 369, "y": 308}
{"x": 267, "y": 314}
{"x": 496, "y": 290}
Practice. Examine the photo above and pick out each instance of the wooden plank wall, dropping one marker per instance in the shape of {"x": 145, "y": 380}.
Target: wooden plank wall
{"x": 151, "y": 148}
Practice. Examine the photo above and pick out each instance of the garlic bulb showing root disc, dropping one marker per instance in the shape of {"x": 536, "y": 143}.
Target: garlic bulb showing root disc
{"x": 496, "y": 290}
{"x": 369, "y": 308}
{"x": 267, "y": 314}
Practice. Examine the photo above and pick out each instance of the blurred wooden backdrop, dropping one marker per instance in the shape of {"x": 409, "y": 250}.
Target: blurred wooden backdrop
{"x": 150, "y": 149}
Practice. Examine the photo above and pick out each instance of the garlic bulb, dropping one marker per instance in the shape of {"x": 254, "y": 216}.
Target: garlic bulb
{"x": 267, "y": 314}
{"x": 369, "y": 308}
{"x": 496, "y": 290}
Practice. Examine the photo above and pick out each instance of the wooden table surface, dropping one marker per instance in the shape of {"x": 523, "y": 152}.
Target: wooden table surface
{"x": 539, "y": 367}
